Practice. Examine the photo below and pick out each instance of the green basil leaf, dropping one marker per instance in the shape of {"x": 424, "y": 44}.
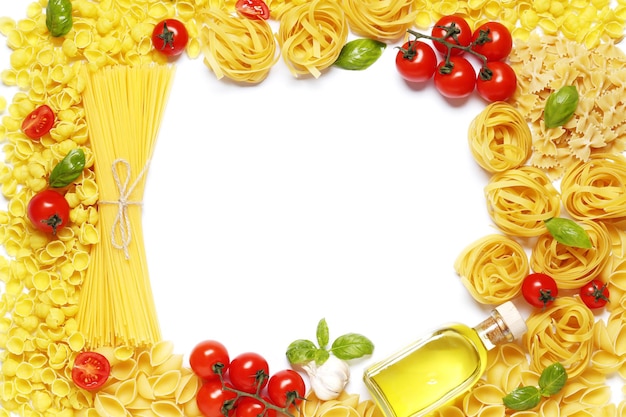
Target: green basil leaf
{"x": 59, "y": 17}
{"x": 322, "y": 333}
{"x": 321, "y": 356}
{"x": 552, "y": 379}
{"x": 352, "y": 346}
{"x": 523, "y": 398}
{"x": 301, "y": 351}
{"x": 70, "y": 168}
{"x": 568, "y": 232}
{"x": 359, "y": 54}
{"x": 560, "y": 106}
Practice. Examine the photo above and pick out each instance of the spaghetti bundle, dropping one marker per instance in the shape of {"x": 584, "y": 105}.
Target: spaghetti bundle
{"x": 123, "y": 106}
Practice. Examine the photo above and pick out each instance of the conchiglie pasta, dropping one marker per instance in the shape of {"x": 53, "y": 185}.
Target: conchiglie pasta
{"x": 520, "y": 200}
{"x": 572, "y": 267}
{"x": 492, "y": 268}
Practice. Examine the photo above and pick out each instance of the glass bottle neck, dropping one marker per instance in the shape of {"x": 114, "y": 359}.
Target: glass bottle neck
{"x": 493, "y": 331}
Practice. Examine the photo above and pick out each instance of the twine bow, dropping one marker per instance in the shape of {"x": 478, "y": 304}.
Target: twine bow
{"x": 121, "y": 230}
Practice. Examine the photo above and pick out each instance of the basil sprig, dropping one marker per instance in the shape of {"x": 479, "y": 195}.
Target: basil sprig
{"x": 68, "y": 170}
{"x": 345, "y": 347}
{"x": 359, "y": 54}
{"x": 59, "y": 17}
{"x": 560, "y": 106}
{"x": 568, "y": 232}
{"x": 551, "y": 381}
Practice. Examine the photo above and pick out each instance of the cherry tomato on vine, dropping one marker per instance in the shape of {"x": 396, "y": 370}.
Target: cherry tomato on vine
{"x": 457, "y": 82}
{"x": 453, "y": 29}
{"x": 595, "y": 294}
{"x": 253, "y": 9}
{"x": 416, "y": 61}
{"x": 48, "y": 211}
{"x": 247, "y": 371}
{"x": 91, "y": 370}
{"x": 38, "y": 122}
{"x": 252, "y": 407}
{"x": 170, "y": 37}
{"x": 205, "y": 356}
{"x": 285, "y": 388}
{"x": 539, "y": 290}
{"x": 492, "y": 40}
{"x": 215, "y": 401}
{"x": 502, "y": 82}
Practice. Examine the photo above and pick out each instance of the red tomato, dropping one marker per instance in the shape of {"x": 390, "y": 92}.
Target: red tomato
{"x": 539, "y": 290}
{"x": 452, "y": 29}
{"x": 48, "y": 211}
{"x": 416, "y": 61}
{"x": 492, "y": 40}
{"x": 252, "y": 407}
{"x": 170, "y": 37}
{"x": 595, "y": 294}
{"x": 459, "y": 82}
{"x": 91, "y": 370}
{"x": 285, "y": 388}
{"x": 38, "y": 122}
{"x": 206, "y": 357}
{"x": 502, "y": 82}
{"x": 215, "y": 401}
{"x": 253, "y": 9}
{"x": 247, "y": 371}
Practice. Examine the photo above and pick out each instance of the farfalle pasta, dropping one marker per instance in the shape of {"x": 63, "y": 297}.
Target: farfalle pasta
{"x": 499, "y": 138}
{"x": 520, "y": 200}
{"x": 384, "y": 20}
{"x": 492, "y": 268}
{"x": 572, "y": 267}
{"x": 596, "y": 189}
{"x": 311, "y": 36}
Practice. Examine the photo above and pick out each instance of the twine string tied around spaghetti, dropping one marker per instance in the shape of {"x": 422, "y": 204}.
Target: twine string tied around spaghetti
{"x": 121, "y": 229}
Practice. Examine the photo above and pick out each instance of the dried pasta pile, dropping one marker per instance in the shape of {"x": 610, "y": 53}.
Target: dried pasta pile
{"x": 42, "y": 279}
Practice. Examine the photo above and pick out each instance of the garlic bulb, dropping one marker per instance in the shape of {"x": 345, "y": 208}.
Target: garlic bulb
{"x": 329, "y": 379}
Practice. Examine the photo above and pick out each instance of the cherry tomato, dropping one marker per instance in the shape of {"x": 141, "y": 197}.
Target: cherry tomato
{"x": 215, "y": 401}
{"x": 170, "y": 37}
{"x": 48, "y": 211}
{"x": 539, "y": 290}
{"x": 247, "y": 371}
{"x": 285, "y": 388}
{"x": 38, "y": 122}
{"x": 206, "y": 356}
{"x": 502, "y": 84}
{"x": 459, "y": 82}
{"x": 492, "y": 40}
{"x": 252, "y": 407}
{"x": 416, "y": 61}
{"x": 453, "y": 29}
{"x": 595, "y": 294}
{"x": 253, "y": 9}
{"x": 91, "y": 370}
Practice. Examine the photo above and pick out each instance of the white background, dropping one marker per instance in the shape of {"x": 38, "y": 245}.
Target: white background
{"x": 346, "y": 197}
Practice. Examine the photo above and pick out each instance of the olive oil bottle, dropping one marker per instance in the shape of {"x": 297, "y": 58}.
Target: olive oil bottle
{"x": 440, "y": 366}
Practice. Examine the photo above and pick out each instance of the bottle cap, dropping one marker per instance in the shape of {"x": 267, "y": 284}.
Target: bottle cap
{"x": 512, "y": 319}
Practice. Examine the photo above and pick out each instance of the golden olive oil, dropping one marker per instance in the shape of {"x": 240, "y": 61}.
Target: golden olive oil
{"x": 441, "y": 366}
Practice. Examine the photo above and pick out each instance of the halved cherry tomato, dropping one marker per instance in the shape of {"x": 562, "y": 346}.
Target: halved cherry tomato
{"x": 539, "y": 290}
{"x": 416, "y": 61}
{"x": 170, "y": 37}
{"x": 501, "y": 84}
{"x": 452, "y": 29}
{"x": 91, "y": 370}
{"x": 48, "y": 211}
{"x": 38, "y": 122}
{"x": 595, "y": 294}
{"x": 459, "y": 81}
{"x": 253, "y": 9}
{"x": 492, "y": 40}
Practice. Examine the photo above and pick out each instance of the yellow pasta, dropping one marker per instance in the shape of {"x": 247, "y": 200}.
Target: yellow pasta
{"x": 311, "y": 36}
{"x": 117, "y": 307}
{"x": 492, "y": 268}
{"x": 572, "y": 267}
{"x": 499, "y": 138}
{"x": 346, "y": 405}
{"x": 520, "y": 200}
{"x": 238, "y": 48}
{"x": 384, "y": 20}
